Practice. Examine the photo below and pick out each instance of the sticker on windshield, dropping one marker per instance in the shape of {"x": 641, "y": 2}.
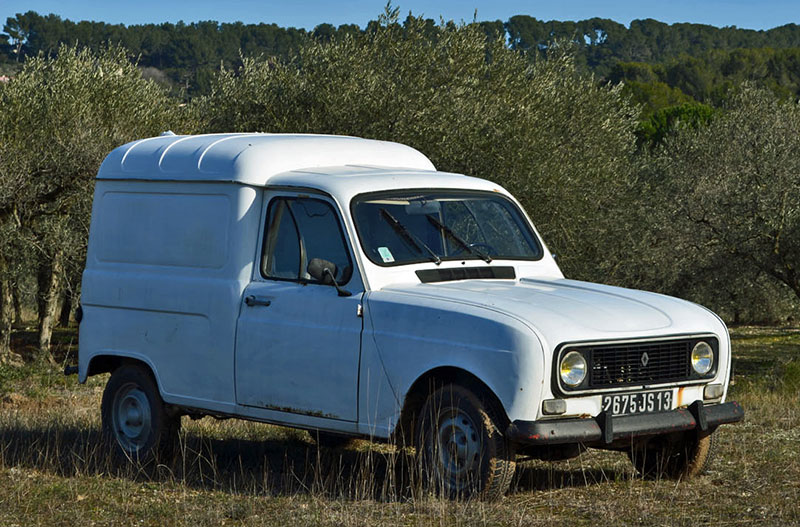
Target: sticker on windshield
{"x": 386, "y": 254}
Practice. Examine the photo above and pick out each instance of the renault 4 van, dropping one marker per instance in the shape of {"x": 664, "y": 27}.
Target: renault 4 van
{"x": 346, "y": 287}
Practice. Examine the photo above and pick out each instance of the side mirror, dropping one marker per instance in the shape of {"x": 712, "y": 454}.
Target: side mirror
{"x": 316, "y": 268}
{"x": 324, "y": 272}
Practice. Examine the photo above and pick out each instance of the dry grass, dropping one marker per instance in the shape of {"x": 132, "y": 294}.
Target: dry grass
{"x": 54, "y": 472}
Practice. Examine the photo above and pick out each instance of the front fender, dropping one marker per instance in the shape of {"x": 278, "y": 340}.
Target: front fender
{"x": 407, "y": 335}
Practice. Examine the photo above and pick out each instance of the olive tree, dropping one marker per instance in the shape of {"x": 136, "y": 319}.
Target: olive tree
{"x": 553, "y": 137}
{"x": 14, "y": 251}
{"x": 61, "y": 116}
{"x": 723, "y": 221}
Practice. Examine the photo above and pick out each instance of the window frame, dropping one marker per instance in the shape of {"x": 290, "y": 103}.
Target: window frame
{"x": 263, "y": 257}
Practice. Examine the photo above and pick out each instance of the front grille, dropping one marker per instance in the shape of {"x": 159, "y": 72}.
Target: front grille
{"x": 639, "y": 363}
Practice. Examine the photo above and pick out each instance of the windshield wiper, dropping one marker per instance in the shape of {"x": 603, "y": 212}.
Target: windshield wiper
{"x": 455, "y": 237}
{"x": 409, "y": 237}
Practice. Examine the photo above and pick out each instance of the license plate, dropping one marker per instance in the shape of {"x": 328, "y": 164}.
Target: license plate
{"x": 638, "y": 403}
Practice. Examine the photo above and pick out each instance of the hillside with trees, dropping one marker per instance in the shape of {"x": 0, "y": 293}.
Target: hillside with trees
{"x": 678, "y": 73}
{"x": 699, "y": 60}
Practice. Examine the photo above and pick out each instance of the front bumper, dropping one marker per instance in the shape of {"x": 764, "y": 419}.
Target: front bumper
{"x": 607, "y": 429}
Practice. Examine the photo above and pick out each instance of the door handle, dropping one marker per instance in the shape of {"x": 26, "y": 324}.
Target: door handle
{"x": 252, "y": 300}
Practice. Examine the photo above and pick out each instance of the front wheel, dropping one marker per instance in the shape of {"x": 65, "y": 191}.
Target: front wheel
{"x": 462, "y": 451}
{"x": 135, "y": 422}
{"x": 687, "y": 458}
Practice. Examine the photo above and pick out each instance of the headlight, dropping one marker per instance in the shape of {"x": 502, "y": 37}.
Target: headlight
{"x": 573, "y": 369}
{"x": 702, "y": 357}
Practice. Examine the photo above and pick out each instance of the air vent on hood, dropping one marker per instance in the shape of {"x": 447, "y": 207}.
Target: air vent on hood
{"x": 465, "y": 273}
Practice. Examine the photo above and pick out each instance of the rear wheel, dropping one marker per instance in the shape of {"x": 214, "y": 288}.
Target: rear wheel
{"x": 686, "y": 458}
{"x": 135, "y": 422}
{"x": 462, "y": 451}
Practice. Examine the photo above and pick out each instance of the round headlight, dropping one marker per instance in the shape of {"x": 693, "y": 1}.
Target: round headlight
{"x": 573, "y": 369}
{"x": 702, "y": 357}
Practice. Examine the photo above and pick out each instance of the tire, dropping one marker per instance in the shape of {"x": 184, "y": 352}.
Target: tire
{"x": 684, "y": 459}
{"x": 136, "y": 426}
{"x": 462, "y": 452}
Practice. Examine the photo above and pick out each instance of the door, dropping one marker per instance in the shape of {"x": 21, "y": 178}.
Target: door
{"x": 298, "y": 341}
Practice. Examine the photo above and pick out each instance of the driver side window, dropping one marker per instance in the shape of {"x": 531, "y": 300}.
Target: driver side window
{"x": 298, "y": 230}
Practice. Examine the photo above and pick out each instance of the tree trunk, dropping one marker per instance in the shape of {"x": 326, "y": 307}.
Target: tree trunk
{"x": 42, "y": 281}
{"x": 66, "y": 310}
{"x": 7, "y": 356}
{"x": 6, "y": 319}
{"x": 18, "y": 322}
{"x": 49, "y": 303}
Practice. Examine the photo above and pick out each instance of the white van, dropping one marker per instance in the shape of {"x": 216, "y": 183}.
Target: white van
{"x": 343, "y": 285}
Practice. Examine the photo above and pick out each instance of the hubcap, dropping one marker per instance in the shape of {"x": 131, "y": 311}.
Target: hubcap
{"x": 458, "y": 447}
{"x": 131, "y": 418}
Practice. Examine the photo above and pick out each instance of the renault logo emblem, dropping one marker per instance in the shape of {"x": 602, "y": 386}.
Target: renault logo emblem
{"x": 645, "y": 359}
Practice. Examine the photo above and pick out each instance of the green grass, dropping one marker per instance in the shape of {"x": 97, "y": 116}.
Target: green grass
{"x": 53, "y": 470}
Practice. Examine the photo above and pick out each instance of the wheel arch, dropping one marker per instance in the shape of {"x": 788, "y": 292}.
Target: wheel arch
{"x": 429, "y": 382}
{"x": 109, "y": 363}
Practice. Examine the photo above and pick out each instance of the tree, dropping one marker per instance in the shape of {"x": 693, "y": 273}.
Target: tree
{"x": 61, "y": 116}
{"x": 724, "y": 216}
{"x": 555, "y": 139}
{"x": 18, "y": 30}
{"x": 668, "y": 119}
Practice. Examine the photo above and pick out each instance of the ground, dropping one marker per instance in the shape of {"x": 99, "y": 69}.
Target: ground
{"x": 53, "y": 470}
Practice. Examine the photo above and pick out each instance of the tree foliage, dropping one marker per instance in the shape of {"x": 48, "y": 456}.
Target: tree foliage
{"x": 188, "y": 54}
{"x": 61, "y": 116}
{"x": 668, "y": 119}
{"x": 710, "y": 77}
{"x": 602, "y": 43}
{"x": 551, "y": 135}
{"x": 722, "y": 220}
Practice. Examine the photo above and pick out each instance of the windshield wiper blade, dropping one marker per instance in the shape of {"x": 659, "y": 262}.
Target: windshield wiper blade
{"x": 409, "y": 237}
{"x": 455, "y": 237}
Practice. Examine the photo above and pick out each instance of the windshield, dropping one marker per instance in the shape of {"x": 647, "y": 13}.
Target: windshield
{"x": 402, "y": 227}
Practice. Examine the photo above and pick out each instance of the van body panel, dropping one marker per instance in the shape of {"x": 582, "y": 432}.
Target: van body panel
{"x": 298, "y": 347}
{"x": 164, "y": 278}
{"x": 299, "y": 354}
{"x": 250, "y": 159}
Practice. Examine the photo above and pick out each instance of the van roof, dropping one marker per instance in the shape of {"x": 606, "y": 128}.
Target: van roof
{"x": 250, "y": 158}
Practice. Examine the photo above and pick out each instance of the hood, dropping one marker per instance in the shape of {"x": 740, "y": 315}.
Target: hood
{"x": 561, "y": 310}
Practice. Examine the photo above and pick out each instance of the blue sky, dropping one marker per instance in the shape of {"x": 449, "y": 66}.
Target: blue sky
{"x": 753, "y": 14}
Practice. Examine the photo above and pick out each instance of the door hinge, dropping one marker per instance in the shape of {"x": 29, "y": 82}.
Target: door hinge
{"x": 360, "y": 311}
